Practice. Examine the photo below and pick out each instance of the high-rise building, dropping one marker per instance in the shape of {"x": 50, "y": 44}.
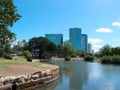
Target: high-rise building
{"x": 55, "y": 38}
{"x": 90, "y": 48}
{"x": 84, "y": 42}
{"x": 66, "y": 42}
{"x": 75, "y": 38}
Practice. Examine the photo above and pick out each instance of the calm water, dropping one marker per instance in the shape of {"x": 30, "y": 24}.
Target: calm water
{"x": 85, "y": 76}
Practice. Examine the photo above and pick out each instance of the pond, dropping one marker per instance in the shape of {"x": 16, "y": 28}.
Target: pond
{"x": 76, "y": 75}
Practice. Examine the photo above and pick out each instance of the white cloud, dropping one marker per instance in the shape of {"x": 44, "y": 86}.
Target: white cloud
{"x": 94, "y": 41}
{"x": 96, "y": 44}
{"x": 104, "y": 30}
{"x": 97, "y": 47}
{"x": 116, "y": 24}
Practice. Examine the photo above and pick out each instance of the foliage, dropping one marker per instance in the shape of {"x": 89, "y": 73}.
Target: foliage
{"x": 59, "y": 50}
{"x": 80, "y": 53}
{"x": 8, "y": 49}
{"x": 1, "y": 52}
{"x": 109, "y": 55}
{"x": 8, "y": 56}
{"x": 67, "y": 58}
{"x": 6, "y": 38}
{"x": 27, "y": 54}
{"x": 39, "y": 46}
{"x": 68, "y": 50}
{"x": 19, "y": 49}
{"x": 29, "y": 59}
{"x": 8, "y": 13}
{"x": 115, "y": 51}
{"x": 88, "y": 57}
{"x": 8, "y": 16}
{"x": 51, "y": 47}
{"x": 97, "y": 54}
{"x": 106, "y": 50}
{"x": 115, "y": 59}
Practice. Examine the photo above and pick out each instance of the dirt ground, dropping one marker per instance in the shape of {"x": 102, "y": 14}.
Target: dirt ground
{"x": 21, "y": 69}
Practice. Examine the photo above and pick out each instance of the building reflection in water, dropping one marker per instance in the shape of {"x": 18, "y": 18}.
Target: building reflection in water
{"x": 76, "y": 73}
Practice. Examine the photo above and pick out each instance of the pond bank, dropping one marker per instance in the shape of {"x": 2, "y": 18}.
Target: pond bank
{"x": 43, "y": 74}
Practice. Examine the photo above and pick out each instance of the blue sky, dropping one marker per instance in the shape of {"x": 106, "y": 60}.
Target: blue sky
{"x": 100, "y": 19}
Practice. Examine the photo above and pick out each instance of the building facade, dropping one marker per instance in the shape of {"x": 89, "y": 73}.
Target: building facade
{"x": 55, "y": 38}
{"x": 75, "y": 37}
{"x": 84, "y": 43}
{"x": 90, "y": 48}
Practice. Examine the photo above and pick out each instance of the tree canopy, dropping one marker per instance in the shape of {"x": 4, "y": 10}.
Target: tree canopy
{"x": 8, "y": 13}
{"x": 8, "y": 16}
{"x": 108, "y": 50}
{"x": 40, "y": 46}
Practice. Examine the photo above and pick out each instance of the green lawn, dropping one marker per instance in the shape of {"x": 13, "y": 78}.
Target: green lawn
{"x": 16, "y": 60}
{"x": 57, "y": 59}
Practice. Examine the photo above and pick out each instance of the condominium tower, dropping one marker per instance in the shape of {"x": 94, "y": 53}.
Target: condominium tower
{"x": 84, "y": 42}
{"x": 75, "y": 38}
{"x": 55, "y": 38}
{"x": 90, "y": 48}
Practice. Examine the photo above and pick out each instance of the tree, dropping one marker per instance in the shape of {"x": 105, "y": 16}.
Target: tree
{"x": 106, "y": 50}
{"x": 88, "y": 57}
{"x": 6, "y": 38}
{"x": 24, "y": 45}
{"x": 8, "y": 16}
{"x": 115, "y": 51}
{"x": 8, "y": 13}
{"x": 51, "y": 47}
{"x": 27, "y": 55}
{"x": 68, "y": 50}
{"x": 17, "y": 49}
{"x": 39, "y": 46}
{"x": 59, "y": 50}
{"x": 80, "y": 53}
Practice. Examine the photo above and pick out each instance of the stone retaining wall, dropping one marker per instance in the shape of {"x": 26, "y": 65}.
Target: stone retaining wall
{"x": 25, "y": 81}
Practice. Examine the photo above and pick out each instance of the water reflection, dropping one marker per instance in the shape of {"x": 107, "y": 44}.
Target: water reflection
{"x": 86, "y": 76}
{"x": 74, "y": 75}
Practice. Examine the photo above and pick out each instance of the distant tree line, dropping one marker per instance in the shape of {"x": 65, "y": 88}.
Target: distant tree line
{"x": 108, "y": 54}
{"x": 40, "y": 47}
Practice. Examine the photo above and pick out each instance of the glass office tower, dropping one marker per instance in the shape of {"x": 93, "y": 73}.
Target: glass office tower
{"x": 55, "y": 38}
{"x": 75, "y": 37}
{"x": 85, "y": 43}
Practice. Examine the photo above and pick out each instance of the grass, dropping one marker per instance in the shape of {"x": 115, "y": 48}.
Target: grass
{"x": 16, "y": 60}
{"x": 57, "y": 59}
{"x": 62, "y": 59}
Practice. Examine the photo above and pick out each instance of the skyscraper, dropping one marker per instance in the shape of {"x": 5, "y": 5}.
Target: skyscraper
{"x": 84, "y": 42}
{"x": 55, "y": 38}
{"x": 75, "y": 38}
{"x": 90, "y": 48}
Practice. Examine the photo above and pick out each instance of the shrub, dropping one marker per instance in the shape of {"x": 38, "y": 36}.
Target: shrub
{"x": 73, "y": 55}
{"x": 29, "y": 59}
{"x": 8, "y": 56}
{"x": 116, "y": 59}
{"x": 27, "y": 55}
{"x": 111, "y": 59}
{"x": 88, "y": 57}
{"x": 106, "y": 59}
{"x": 67, "y": 58}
